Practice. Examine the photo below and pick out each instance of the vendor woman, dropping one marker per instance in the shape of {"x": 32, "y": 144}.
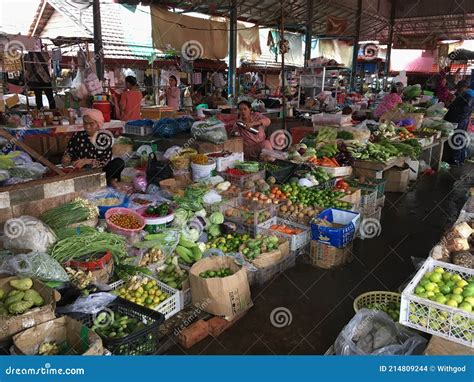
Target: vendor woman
{"x": 253, "y": 142}
{"x": 82, "y": 150}
{"x": 172, "y": 93}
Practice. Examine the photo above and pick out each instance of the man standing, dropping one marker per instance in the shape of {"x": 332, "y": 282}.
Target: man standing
{"x": 460, "y": 112}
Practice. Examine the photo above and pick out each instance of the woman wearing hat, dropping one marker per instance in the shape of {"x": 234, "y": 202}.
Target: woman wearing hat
{"x": 459, "y": 112}
{"x": 87, "y": 149}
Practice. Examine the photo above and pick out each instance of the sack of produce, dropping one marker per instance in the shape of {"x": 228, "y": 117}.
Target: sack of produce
{"x": 26, "y": 303}
{"x": 375, "y": 333}
{"x": 62, "y": 336}
{"x": 220, "y": 287}
{"x": 27, "y": 233}
{"x": 35, "y": 264}
{"x": 210, "y": 130}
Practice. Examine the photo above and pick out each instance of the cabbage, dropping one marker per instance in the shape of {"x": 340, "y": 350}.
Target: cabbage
{"x": 200, "y": 213}
{"x": 181, "y": 217}
{"x": 214, "y": 230}
{"x": 191, "y": 234}
{"x": 216, "y": 218}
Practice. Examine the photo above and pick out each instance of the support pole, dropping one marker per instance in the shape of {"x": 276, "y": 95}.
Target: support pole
{"x": 98, "y": 47}
{"x": 283, "y": 98}
{"x": 389, "y": 42}
{"x": 309, "y": 33}
{"x": 356, "y": 43}
{"x": 231, "y": 86}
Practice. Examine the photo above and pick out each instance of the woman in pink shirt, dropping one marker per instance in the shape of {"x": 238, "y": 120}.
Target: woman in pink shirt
{"x": 253, "y": 142}
{"x": 390, "y": 100}
{"x": 130, "y": 100}
{"x": 172, "y": 93}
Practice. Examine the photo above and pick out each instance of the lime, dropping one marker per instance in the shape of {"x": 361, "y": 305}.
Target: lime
{"x": 430, "y": 294}
{"x": 439, "y": 270}
{"x": 452, "y": 303}
{"x": 445, "y": 289}
{"x": 419, "y": 289}
{"x": 457, "y": 297}
{"x": 440, "y": 299}
{"x": 436, "y": 277}
{"x": 446, "y": 276}
{"x": 430, "y": 286}
{"x": 456, "y": 278}
{"x": 469, "y": 299}
{"x": 462, "y": 283}
{"x": 457, "y": 291}
{"x": 465, "y": 306}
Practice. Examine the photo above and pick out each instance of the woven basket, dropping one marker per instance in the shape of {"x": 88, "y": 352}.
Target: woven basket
{"x": 375, "y": 297}
{"x": 120, "y": 150}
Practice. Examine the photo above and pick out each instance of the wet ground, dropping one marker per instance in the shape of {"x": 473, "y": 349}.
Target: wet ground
{"x": 319, "y": 302}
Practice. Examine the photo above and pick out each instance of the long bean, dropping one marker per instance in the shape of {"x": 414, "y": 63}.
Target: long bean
{"x": 75, "y": 247}
{"x": 76, "y": 211}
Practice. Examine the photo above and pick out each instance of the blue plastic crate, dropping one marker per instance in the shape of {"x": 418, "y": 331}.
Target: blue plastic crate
{"x": 337, "y": 237}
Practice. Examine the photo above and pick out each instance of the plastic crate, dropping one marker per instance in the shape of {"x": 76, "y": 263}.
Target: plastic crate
{"x": 336, "y": 237}
{"x": 381, "y": 202}
{"x": 138, "y": 130}
{"x": 168, "y": 307}
{"x": 428, "y": 316}
{"x": 377, "y": 184}
{"x": 283, "y": 173}
{"x": 337, "y": 171}
{"x": 264, "y": 275}
{"x": 142, "y": 342}
{"x": 243, "y": 212}
{"x": 296, "y": 241}
{"x": 185, "y": 298}
{"x": 368, "y": 201}
{"x": 328, "y": 185}
{"x": 240, "y": 180}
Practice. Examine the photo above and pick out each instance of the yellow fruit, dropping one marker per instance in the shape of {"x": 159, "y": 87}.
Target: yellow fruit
{"x": 163, "y": 297}
{"x": 152, "y": 292}
{"x": 462, "y": 283}
{"x": 156, "y": 300}
{"x": 140, "y": 290}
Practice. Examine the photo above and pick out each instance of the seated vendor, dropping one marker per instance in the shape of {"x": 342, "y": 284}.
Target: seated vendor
{"x": 82, "y": 150}
{"x": 254, "y": 142}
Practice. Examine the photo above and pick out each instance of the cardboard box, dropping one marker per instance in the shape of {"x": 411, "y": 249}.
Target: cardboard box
{"x": 11, "y": 325}
{"x": 225, "y": 297}
{"x": 158, "y": 112}
{"x": 367, "y": 173}
{"x": 414, "y": 167}
{"x": 174, "y": 186}
{"x": 353, "y": 198}
{"x": 397, "y": 179}
{"x": 327, "y": 257}
{"x": 270, "y": 258}
{"x": 234, "y": 145}
{"x": 80, "y": 339}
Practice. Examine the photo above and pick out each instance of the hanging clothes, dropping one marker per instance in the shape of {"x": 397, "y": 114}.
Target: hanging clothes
{"x": 248, "y": 40}
{"x": 37, "y": 67}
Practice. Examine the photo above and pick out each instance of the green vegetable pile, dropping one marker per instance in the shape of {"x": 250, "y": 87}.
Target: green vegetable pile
{"x": 380, "y": 152}
{"x": 172, "y": 275}
{"x": 310, "y": 196}
{"x": 20, "y": 299}
{"x": 249, "y": 167}
{"x": 326, "y": 135}
{"x": 76, "y": 211}
{"x": 229, "y": 243}
{"x": 86, "y": 245}
{"x": 253, "y": 248}
{"x": 188, "y": 251}
{"x": 192, "y": 199}
{"x": 209, "y": 274}
{"x": 346, "y": 135}
{"x": 391, "y": 308}
{"x": 327, "y": 150}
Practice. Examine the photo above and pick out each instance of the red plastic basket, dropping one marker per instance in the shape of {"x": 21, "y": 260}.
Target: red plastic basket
{"x": 94, "y": 265}
{"x": 119, "y": 230}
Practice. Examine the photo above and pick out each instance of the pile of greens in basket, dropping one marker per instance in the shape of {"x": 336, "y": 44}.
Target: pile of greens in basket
{"x": 76, "y": 211}
{"x": 192, "y": 199}
{"x": 248, "y": 166}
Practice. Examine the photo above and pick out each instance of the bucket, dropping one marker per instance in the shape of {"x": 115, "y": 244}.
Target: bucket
{"x": 203, "y": 171}
{"x": 104, "y": 107}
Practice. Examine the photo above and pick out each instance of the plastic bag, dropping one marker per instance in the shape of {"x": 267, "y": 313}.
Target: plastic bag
{"x": 92, "y": 82}
{"x": 78, "y": 88}
{"x": 373, "y": 332}
{"x": 166, "y": 128}
{"x": 91, "y": 304}
{"x": 436, "y": 110}
{"x": 184, "y": 124}
{"x": 35, "y": 264}
{"x": 109, "y": 193}
{"x": 27, "y": 233}
{"x": 258, "y": 106}
{"x": 31, "y": 170}
{"x": 210, "y": 130}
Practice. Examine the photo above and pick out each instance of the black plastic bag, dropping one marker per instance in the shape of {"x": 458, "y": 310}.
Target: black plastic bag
{"x": 157, "y": 170}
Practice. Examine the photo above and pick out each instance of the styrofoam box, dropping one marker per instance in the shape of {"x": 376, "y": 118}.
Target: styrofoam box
{"x": 223, "y": 163}
{"x": 296, "y": 241}
{"x": 428, "y": 316}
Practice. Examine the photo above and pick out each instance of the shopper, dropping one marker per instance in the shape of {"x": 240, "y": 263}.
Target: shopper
{"x": 442, "y": 92}
{"x": 130, "y": 100}
{"x": 172, "y": 93}
{"x": 253, "y": 142}
{"x": 460, "y": 112}
{"x": 83, "y": 151}
{"x": 390, "y": 101}
{"x": 38, "y": 77}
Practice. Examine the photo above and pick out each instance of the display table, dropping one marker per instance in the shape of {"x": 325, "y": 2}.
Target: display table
{"x": 433, "y": 153}
{"x": 373, "y": 169}
{"x": 51, "y": 141}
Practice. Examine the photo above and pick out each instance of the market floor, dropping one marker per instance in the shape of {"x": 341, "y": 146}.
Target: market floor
{"x": 319, "y": 302}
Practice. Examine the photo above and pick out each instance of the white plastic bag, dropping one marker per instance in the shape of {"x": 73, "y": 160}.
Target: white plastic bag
{"x": 92, "y": 82}
{"x": 211, "y": 130}
{"x": 372, "y": 332}
{"x": 27, "y": 233}
{"x": 91, "y": 304}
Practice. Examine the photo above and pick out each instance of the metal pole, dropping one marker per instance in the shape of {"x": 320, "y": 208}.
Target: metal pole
{"x": 309, "y": 33}
{"x": 98, "y": 48}
{"x": 282, "y": 37}
{"x": 232, "y": 52}
{"x": 390, "y": 41}
{"x": 356, "y": 43}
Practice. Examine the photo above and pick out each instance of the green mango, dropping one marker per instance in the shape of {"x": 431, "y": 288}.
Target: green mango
{"x": 32, "y": 295}
{"x": 20, "y": 307}
{"x": 21, "y": 284}
{"x": 13, "y": 299}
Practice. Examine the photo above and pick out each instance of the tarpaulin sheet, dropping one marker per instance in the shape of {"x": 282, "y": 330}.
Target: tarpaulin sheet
{"x": 205, "y": 38}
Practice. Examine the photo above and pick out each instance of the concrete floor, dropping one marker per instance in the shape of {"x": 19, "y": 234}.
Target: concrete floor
{"x": 320, "y": 301}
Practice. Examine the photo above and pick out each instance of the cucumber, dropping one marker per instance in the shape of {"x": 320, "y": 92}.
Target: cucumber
{"x": 185, "y": 254}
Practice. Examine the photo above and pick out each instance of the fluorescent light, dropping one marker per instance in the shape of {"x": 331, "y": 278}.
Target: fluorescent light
{"x": 370, "y": 42}
{"x": 449, "y": 41}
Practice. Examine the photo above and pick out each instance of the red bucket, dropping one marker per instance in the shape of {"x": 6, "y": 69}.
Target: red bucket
{"x": 104, "y": 107}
